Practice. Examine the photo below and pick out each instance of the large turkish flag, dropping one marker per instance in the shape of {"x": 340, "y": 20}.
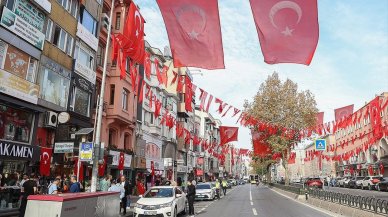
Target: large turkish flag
{"x": 288, "y": 30}
{"x": 194, "y": 32}
{"x": 45, "y": 161}
{"x": 228, "y": 134}
{"x": 320, "y": 118}
{"x": 343, "y": 112}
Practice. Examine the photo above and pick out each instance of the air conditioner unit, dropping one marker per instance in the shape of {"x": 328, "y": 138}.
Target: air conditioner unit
{"x": 51, "y": 119}
{"x": 105, "y": 20}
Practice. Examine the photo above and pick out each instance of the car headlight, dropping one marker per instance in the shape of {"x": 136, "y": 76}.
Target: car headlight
{"x": 140, "y": 206}
{"x": 164, "y": 205}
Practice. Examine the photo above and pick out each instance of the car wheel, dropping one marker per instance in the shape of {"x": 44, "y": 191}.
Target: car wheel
{"x": 175, "y": 212}
{"x": 369, "y": 187}
{"x": 378, "y": 187}
{"x": 185, "y": 209}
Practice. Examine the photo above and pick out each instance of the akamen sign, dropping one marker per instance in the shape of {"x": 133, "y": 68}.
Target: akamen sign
{"x": 15, "y": 150}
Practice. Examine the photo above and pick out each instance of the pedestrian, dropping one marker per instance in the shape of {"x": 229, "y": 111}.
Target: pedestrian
{"x": 53, "y": 187}
{"x": 29, "y": 187}
{"x": 190, "y": 197}
{"x": 25, "y": 178}
{"x": 328, "y": 182}
{"x": 224, "y": 186}
{"x": 128, "y": 188}
{"x": 140, "y": 187}
{"x": 75, "y": 186}
{"x": 117, "y": 187}
{"x": 218, "y": 189}
{"x": 105, "y": 183}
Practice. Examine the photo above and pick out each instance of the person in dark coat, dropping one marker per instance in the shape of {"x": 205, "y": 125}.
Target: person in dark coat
{"x": 128, "y": 190}
{"x": 190, "y": 197}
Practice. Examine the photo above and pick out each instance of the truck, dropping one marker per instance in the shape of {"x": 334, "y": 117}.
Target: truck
{"x": 253, "y": 178}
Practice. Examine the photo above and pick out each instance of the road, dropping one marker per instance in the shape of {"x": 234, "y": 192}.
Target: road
{"x": 364, "y": 193}
{"x": 252, "y": 201}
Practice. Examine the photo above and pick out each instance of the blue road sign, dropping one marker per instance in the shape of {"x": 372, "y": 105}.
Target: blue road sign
{"x": 320, "y": 145}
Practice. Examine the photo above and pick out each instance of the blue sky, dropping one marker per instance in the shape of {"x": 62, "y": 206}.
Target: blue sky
{"x": 350, "y": 64}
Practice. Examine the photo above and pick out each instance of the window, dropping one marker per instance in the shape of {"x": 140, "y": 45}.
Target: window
{"x": 10, "y": 4}
{"x": 127, "y": 142}
{"x": 124, "y": 99}
{"x": 97, "y": 93}
{"x": 118, "y": 20}
{"x": 112, "y": 95}
{"x": 70, "y": 5}
{"x": 84, "y": 56}
{"x": 54, "y": 87}
{"x": 151, "y": 118}
{"x": 62, "y": 40}
{"x": 88, "y": 21}
{"x": 80, "y": 102}
{"x": 49, "y": 28}
{"x": 31, "y": 72}
{"x": 16, "y": 124}
{"x": 100, "y": 55}
{"x": 69, "y": 45}
{"x": 3, "y": 50}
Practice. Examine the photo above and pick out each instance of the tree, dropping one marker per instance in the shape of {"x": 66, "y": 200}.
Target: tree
{"x": 282, "y": 105}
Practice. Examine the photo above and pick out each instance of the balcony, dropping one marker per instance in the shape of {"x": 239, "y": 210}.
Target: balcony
{"x": 154, "y": 130}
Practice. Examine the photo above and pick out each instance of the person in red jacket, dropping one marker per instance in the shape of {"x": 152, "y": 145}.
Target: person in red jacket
{"x": 140, "y": 187}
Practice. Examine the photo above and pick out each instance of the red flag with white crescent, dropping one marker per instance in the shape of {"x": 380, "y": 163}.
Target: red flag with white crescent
{"x": 228, "y": 134}
{"x": 121, "y": 161}
{"x": 45, "y": 161}
{"x": 343, "y": 112}
{"x": 194, "y": 32}
{"x": 288, "y": 30}
{"x": 320, "y": 118}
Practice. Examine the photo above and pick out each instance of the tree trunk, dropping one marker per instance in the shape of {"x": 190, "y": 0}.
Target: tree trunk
{"x": 286, "y": 155}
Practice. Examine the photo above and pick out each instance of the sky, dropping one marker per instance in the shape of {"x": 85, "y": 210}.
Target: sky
{"x": 350, "y": 65}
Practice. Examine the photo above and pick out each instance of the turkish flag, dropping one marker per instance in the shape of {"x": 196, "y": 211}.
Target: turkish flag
{"x": 343, "y": 112}
{"x": 228, "y": 134}
{"x": 260, "y": 148}
{"x": 288, "y": 30}
{"x": 152, "y": 168}
{"x": 320, "y": 118}
{"x": 147, "y": 65}
{"x": 45, "y": 161}
{"x": 121, "y": 161}
{"x": 202, "y": 99}
{"x": 134, "y": 76}
{"x": 375, "y": 118}
{"x": 188, "y": 94}
{"x": 158, "y": 106}
{"x": 232, "y": 157}
{"x": 101, "y": 167}
{"x": 194, "y": 32}
{"x": 81, "y": 169}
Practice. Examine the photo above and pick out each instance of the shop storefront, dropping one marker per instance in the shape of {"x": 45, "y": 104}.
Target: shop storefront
{"x": 113, "y": 167}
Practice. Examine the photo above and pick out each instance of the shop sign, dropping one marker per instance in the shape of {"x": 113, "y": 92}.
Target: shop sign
{"x": 181, "y": 169}
{"x": 63, "y": 147}
{"x": 86, "y": 151}
{"x": 141, "y": 163}
{"x": 30, "y": 13}
{"x": 87, "y": 37}
{"x": 115, "y": 159}
{"x": 46, "y": 5}
{"x": 85, "y": 72}
{"x": 63, "y": 117}
{"x": 83, "y": 84}
{"x": 10, "y": 149}
{"x": 127, "y": 160}
{"x": 22, "y": 28}
{"x": 18, "y": 87}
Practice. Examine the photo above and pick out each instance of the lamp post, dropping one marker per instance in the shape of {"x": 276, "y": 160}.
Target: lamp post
{"x": 97, "y": 144}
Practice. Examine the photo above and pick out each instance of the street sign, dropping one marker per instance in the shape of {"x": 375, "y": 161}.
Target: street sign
{"x": 320, "y": 145}
{"x": 86, "y": 151}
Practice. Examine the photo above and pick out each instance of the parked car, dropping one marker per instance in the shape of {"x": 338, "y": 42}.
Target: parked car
{"x": 233, "y": 181}
{"x": 230, "y": 183}
{"x": 359, "y": 181}
{"x": 241, "y": 182}
{"x": 368, "y": 183}
{"x": 161, "y": 201}
{"x": 205, "y": 191}
{"x": 351, "y": 182}
{"x": 341, "y": 182}
{"x": 383, "y": 184}
{"x": 346, "y": 182}
{"x": 314, "y": 182}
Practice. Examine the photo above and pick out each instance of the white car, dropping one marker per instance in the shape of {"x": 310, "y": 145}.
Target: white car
{"x": 163, "y": 201}
{"x": 204, "y": 191}
{"x": 367, "y": 182}
{"x": 359, "y": 181}
{"x": 341, "y": 182}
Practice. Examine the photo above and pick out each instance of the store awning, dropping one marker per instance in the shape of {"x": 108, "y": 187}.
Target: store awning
{"x": 84, "y": 131}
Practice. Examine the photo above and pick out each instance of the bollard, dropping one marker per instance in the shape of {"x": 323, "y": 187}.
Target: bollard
{"x": 307, "y": 197}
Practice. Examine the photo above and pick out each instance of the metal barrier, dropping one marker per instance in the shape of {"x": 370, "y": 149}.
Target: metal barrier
{"x": 356, "y": 201}
{"x": 289, "y": 188}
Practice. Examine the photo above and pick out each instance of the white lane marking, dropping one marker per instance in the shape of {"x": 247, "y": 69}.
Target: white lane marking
{"x": 250, "y": 192}
{"x": 254, "y": 211}
{"x": 251, "y": 203}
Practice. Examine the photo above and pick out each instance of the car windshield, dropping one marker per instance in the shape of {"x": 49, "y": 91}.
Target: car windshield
{"x": 159, "y": 193}
{"x": 203, "y": 187}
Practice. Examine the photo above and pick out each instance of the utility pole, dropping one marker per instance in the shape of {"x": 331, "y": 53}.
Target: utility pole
{"x": 97, "y": 143}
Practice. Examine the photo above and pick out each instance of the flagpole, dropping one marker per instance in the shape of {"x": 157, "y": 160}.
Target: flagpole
{"x": 97, "y": 144}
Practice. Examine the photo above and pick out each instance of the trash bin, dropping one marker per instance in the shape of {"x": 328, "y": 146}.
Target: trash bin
{"x": 105, "y": 204}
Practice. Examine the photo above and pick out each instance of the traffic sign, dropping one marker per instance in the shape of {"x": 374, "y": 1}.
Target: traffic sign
{"x": 320, "y": 145}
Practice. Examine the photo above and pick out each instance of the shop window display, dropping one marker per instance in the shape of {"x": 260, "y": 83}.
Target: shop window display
{"x": 15, "y": 124}
{"x": 80, "y": 102}
{"x": 55, "y": 88}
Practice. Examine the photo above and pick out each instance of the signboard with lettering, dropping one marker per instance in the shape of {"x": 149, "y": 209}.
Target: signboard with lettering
{"x": 85, "y": 72}
{"x": 22, "y": 28}
{"x": 18, "y": 87}
{"x": 87, "y": 37}
{"x": 30, "y": 13}
{"x": 64, "y": 147}
{"x": 18, "y": 151}
{"x": 86, "y": 151}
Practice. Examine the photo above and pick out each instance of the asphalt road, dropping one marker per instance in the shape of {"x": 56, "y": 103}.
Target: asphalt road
{"x": 364, "y": 193}
{"x": 252, "y": 201}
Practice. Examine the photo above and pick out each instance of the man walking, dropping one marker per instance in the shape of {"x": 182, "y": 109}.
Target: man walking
{"x": 117, "y": 187}
{"x": 218, "y": 189}
{"x": 128, "y": 190}
{"x": 224, "y": 186}
{"x": 190, "y": 197}
{"x": 105, "y": 183}
{"x": 53, "y": 187}
{"x": 29, "y": 188}
{"x": 75, "y": 186}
